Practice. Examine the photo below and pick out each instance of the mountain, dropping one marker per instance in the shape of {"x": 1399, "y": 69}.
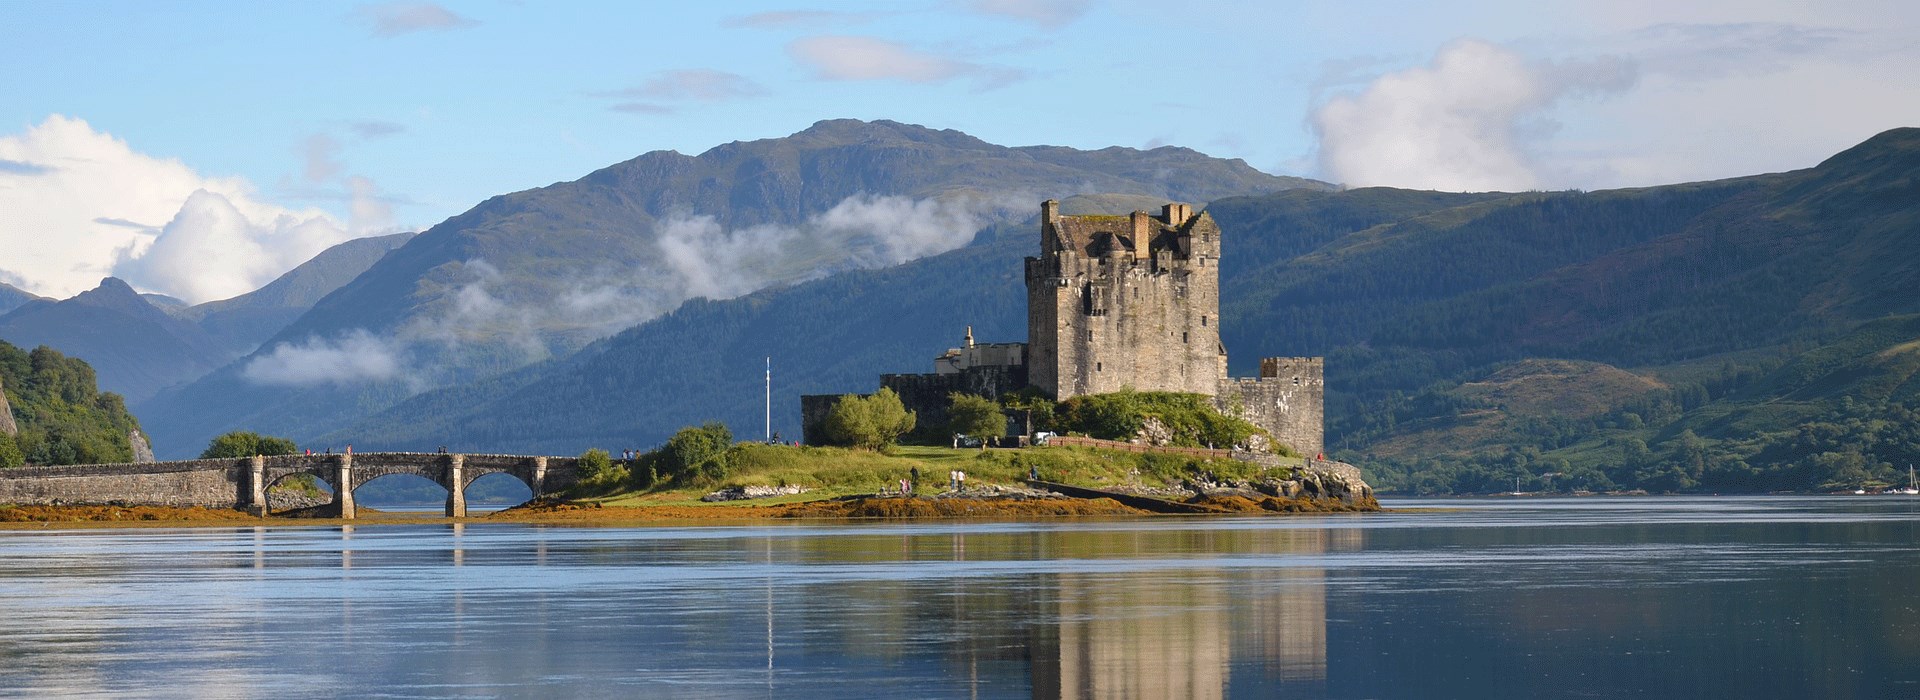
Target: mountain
{"x": 240, "y": 324}
{"x": 833, "y": 335}
{"x": 536, "y": 275}
{"x": 56, "y": 414}
{"x": 1748, "y": 334}
{"x": 136, "y": 348}
{"x": 12, "y": 298}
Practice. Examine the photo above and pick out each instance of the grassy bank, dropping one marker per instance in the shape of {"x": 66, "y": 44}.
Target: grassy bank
{"x": 832, "y": 471}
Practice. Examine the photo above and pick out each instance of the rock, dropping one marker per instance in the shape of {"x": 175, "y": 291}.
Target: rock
{"x": 1153, "y": 432}
{"x": 7, "y": 426}
{"x": 742, "y": 493}
{"x": 142, "y": 452}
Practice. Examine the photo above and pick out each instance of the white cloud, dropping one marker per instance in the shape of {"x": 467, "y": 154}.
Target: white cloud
{"x": 868, "y": 58}
{"x": 396, "y": 18}
{"x": 213, "y": 250}
{"x": 1046, "y": 14}
{"x": 356, "y": 356}
{"x": 1471, "y": 120}
{"x": 861, "y": 231}
{"x": 94, "y": 207}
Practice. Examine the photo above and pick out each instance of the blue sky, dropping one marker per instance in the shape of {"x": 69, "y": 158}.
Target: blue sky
{"x": 306, "y": 123}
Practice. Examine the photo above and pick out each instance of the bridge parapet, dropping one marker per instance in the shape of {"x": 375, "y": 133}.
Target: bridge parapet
{"x": 236, "y": 483}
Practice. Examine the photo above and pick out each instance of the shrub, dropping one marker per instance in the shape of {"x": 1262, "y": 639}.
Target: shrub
{"x": 10, "y": 454}
{"x": 870, "y": 423}
{"x": 696, "y": 453}
{"x": 246, "y": 443}
{"x": 598, "y": 474}
{"x": 1190, "y": 418}
{"x": 975, "y": 415}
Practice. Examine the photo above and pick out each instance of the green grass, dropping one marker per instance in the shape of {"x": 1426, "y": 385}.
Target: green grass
{"x": 830, "y": 472}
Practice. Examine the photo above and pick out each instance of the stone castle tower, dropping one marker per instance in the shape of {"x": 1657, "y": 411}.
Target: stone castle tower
{"x": 1119, "y": 302}
{"x": 1125, "y": 301}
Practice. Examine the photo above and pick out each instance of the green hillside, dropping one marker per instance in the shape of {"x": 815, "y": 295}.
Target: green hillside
{"x": 60, "y": 415}
{"x": 538, "y": 274}
{"x": 1743, "y": 335}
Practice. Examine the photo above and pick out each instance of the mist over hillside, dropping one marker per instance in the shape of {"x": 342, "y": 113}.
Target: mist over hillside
{"x": 536, "y": 275}
{"x": 1615, "y": 339}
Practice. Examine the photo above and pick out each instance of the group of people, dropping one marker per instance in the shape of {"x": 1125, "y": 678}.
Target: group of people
{"x": 956, "y": 480}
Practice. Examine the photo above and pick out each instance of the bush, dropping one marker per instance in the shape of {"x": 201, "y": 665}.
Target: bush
{"x": 973, "y": 415}
{"x": 696, "y": 453}
{"x": 1190, "y": 418}
{"x": 598, "y": 475}
{"x": 10, "y": 454}
{"x": 870, "y": 423}
{"x": 246, "y": 443}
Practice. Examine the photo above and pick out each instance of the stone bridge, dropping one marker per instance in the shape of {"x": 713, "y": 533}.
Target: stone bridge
{"x": 243, "y": 483}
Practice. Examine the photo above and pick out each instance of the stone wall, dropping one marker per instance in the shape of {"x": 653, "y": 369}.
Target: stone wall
{"x": 211, "y": 483}
{"x": 813, "y": 416}
{"x": 927, "y": 394}
{"x": 1288, "y": 399}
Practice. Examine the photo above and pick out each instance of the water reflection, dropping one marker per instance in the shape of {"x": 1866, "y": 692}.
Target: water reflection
{"x": 1755, "y": 598}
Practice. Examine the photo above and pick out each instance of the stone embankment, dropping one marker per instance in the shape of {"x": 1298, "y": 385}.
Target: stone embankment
{"x": 745, "y": 493}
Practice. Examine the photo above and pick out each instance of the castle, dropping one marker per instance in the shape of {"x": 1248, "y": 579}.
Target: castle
{"x": 1116, "y": 302}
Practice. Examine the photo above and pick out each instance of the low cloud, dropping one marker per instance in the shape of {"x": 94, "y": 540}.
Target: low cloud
{"x": 485, "y": 311}
{"x": 354, "y": 357}
{"x": 868, "y": 58}
{"x": 862, "y": 231}
{"x": 211, "y": 249}
{"x": 100, "y": 206}
{"x": 1469, "y": 121}
{"x": 1045, "y": 14}
{"x": 396, "y": 18}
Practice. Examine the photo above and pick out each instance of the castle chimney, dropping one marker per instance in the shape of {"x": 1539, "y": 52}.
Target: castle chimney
{"x": 1049, "y": 211}
{"x": 1142, "y": 239}
{"x": 969, "y": 336}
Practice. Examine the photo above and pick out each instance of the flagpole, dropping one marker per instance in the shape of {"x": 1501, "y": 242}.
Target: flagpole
{"x": 769, "y": 398}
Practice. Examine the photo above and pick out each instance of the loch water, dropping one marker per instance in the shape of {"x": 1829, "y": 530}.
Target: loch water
{"x": 1750, "y": 597}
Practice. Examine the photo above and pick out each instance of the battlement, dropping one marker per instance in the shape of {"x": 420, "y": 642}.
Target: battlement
{"x": 1125, "y": 301}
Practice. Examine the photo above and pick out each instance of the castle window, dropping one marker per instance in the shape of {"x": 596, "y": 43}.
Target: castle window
{"x": 1203, "y": 321}
{"x": 1183, "y": 337}
{"x": 1296, "y": 381}
{"x": 1096, "y": 366}
{"x": 1089, "y": 335}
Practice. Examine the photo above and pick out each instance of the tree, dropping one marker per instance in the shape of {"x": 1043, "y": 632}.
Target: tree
{"x": 871, "y": 422}
{"x": 974, "y": 415}
{"x": 594, "y": 464}
{"x": 697, "y": 452}
{"x": 10, "y": 454}
{"x": 246, "y": 443}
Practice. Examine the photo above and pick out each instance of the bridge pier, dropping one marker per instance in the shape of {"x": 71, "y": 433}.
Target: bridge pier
{"x": 257, "y": 486}
{"x": 539, "y": 480}
{"x": 343, "y": 489}
{"x": 456, "y": 487}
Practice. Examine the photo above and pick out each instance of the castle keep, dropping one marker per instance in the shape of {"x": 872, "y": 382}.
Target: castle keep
{"x": 1118, "y": 302}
